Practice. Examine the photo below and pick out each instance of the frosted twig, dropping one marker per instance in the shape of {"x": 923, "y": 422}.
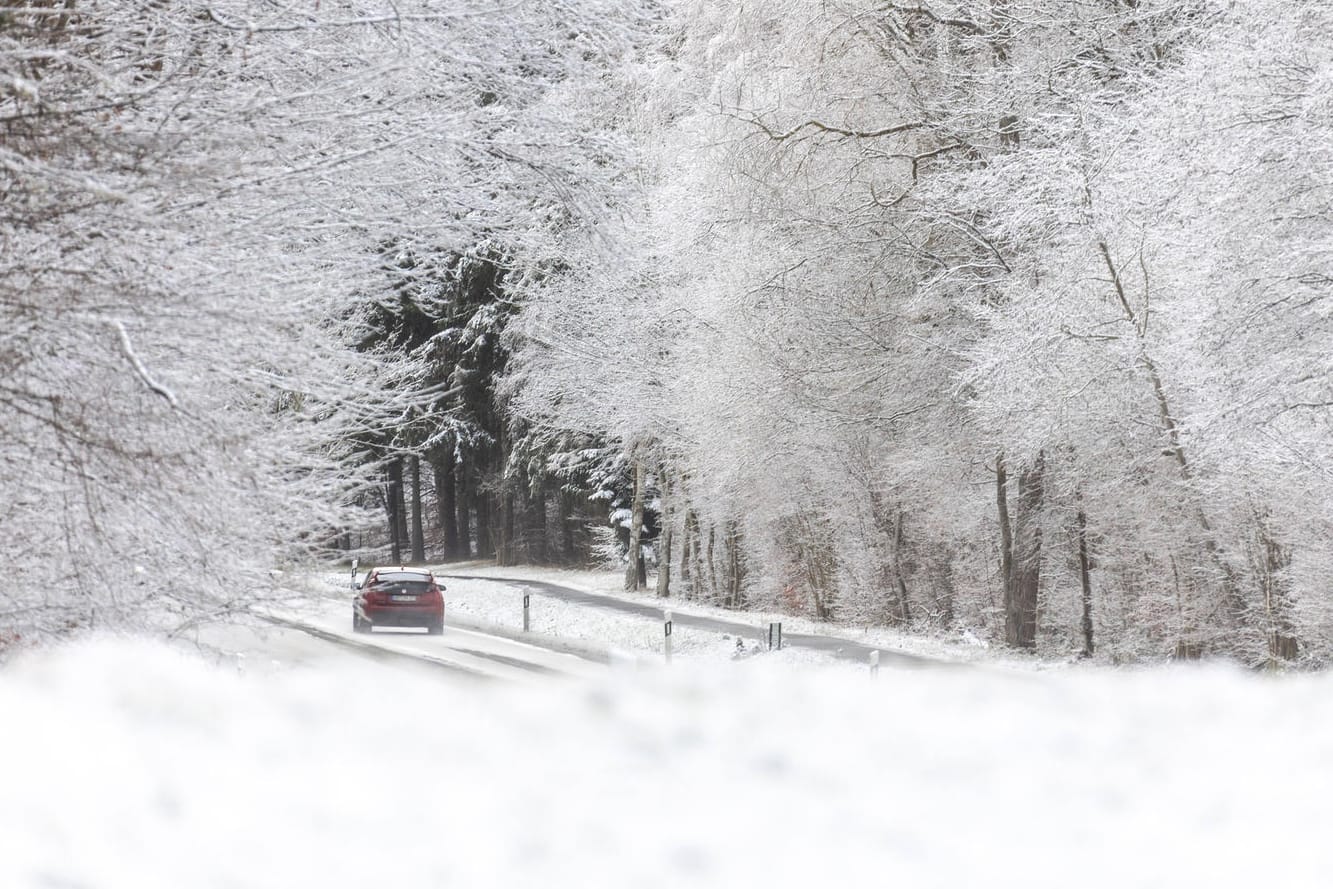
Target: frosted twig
{"x": 139, "y": 367}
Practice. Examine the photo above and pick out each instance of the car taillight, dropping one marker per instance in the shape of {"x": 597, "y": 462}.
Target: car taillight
{"x": 434, "y": 595}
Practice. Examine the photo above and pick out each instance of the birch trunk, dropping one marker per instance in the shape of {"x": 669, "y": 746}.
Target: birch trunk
{"x": 664, "y": 546}
{"x": 689, "y": 536}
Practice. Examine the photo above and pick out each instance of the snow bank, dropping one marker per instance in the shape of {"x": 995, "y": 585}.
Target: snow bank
{"x": 136, "y": 766}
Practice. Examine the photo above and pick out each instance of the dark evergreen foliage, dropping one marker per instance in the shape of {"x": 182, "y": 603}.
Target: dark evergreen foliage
{"x": 498, "y": 488}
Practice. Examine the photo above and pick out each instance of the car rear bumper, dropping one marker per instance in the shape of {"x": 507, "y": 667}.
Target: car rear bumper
{"x": 402, "y": 616}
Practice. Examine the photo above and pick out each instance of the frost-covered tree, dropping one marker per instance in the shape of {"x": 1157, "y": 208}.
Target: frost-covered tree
{"x": 998, "y": 313}
{"x": 1162, "y": 333}
{"x": 193, "y": 196}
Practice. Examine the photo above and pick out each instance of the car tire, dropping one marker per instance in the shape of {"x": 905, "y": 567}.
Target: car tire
{"x": 359, "y": 625}
{"x": 435, "y": 629}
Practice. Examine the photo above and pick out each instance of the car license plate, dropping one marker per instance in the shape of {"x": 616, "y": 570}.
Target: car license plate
{"x": 403, "y": 598}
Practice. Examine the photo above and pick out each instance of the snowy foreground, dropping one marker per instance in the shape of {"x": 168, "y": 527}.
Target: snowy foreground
{"x": 138, "y": 766}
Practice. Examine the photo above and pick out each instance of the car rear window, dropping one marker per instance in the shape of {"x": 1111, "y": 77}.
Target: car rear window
{"x": 402, "y": 577}
{"x": 403, "y": 586}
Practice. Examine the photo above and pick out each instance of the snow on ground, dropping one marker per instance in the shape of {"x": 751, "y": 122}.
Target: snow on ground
{"x": 136, "y": 766}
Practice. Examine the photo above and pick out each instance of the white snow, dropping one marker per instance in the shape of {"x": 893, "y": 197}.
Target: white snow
{"x": 136, "y": 766}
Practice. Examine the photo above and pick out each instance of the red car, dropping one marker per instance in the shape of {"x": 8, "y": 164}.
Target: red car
{"x": 399, "y": 597}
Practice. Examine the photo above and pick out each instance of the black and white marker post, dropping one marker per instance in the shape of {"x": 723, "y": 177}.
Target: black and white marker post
{"x": 526, "y": 603}
{"x": 666, "y": 630}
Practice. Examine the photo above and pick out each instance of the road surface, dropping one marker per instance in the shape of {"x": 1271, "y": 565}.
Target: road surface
{"x": 323, "y": 631}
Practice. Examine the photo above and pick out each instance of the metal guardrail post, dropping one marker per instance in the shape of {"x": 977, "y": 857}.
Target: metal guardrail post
{"x": 666, "y": 630}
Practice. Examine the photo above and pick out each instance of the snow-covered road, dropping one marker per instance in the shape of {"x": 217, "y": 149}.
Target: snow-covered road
{"x": 465, "y": 649}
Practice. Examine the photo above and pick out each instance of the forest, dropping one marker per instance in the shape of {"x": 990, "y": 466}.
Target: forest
{"x": 1012, "y": 318}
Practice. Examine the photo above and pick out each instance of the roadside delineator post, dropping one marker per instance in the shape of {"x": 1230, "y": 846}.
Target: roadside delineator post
{"x": 526, "y": 601}
{"x": 874, "y": 663}
{"x": 775, "y": 636}
{"x": 666, "y": 631}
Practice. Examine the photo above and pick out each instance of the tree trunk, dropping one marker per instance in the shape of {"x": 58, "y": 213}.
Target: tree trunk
{"x": 888, "y": 520}
{"x": 689, "y": 542}
{"x": 567, "y": 554}
{"x": 463, "y": 497}
{"x": 735, "y": 571}
{"x": 482, "y": 509}
{"x": 817, "y": 578}
{"x": 664, "y": 541}
{"x": 482, "y": 503}
{"x": 944, "y": 601}
{"x": 634, "y": 572}
{"x": 712, "y": 564}
{"x": 505, "y": 548}
{"x": 698, "y": 588}
{"x": 1020, "y": 553}
{"x": 391, "y": 521}
{"x": 400, "y": 509}
{"x": 1282, "y": 641}
{"x": 393, "y": 502}
{"x": 1011, "y": 619}
{"x": 1027, "y": 541}
{"x": 900, "y": 581}
{"x": 418, "y": 532}
{"x": 537, "y": 550}
{"x": 505, "y": 544}
{"x": 446, "y": 501}
{"x": 1086, "y": 580}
